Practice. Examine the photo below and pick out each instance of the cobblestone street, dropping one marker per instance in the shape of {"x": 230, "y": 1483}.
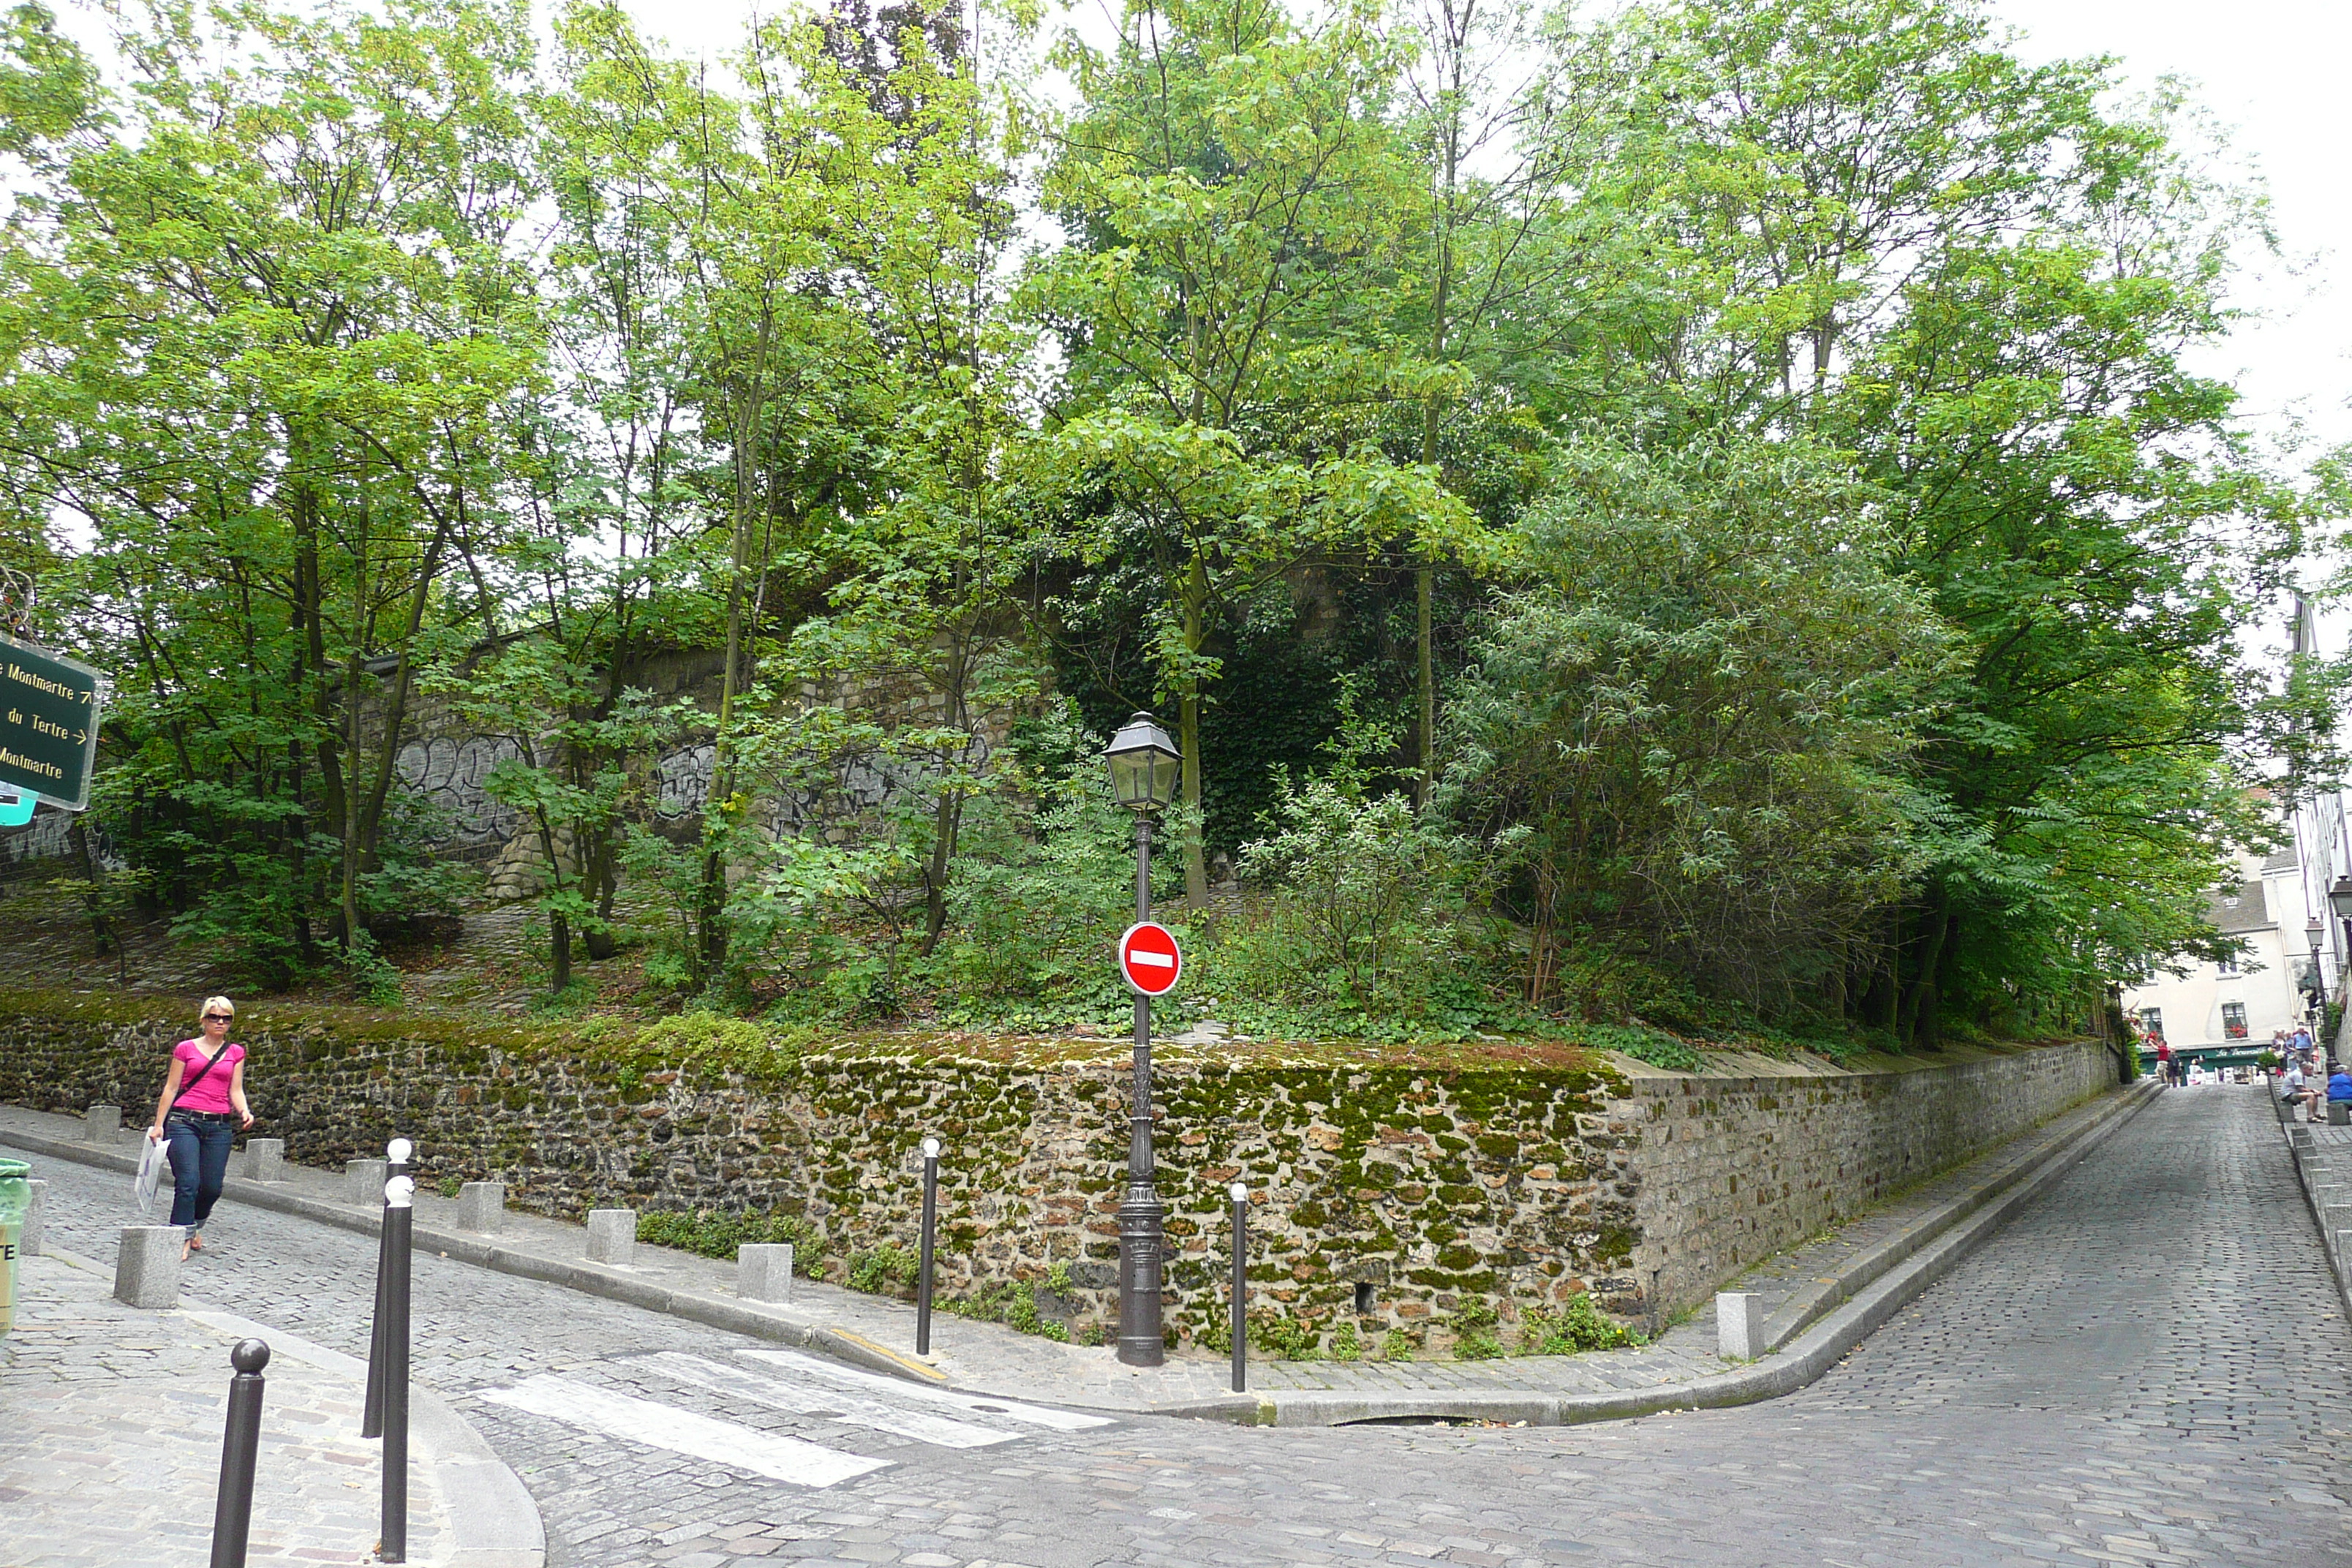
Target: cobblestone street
{"x": 2151, "y": 1366}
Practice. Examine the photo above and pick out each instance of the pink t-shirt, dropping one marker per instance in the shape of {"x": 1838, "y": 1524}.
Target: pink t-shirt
{"x": 212, "y": 1093}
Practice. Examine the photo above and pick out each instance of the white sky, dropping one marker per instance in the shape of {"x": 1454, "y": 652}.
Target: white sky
{"x": 2272, "y": 72}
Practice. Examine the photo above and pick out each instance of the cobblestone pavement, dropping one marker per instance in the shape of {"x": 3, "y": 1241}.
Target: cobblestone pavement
{"x": 110, "y": 1424}
{"x": 2148, "y": 1366}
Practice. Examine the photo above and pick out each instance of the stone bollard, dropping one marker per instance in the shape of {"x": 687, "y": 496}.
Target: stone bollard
{"x": 2336, "y": 1214}
{"x": 147, "y": 1265}
{"x": 1739, "y": 1325}
{"x": 481, "y": 1205}
{"x": 611, "y": 1235}
{"x": 29, "y": 1240}
{"x": 763, "y": 1271}
{"x": 266, "y": 1159}
{"x": 100, "y": 1124}
{"x": 363, "y": 1182}
{"x": 2339, "y": 1113}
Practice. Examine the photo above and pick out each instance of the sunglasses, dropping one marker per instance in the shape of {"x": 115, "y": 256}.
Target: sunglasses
{"x": 216, "y": 1018}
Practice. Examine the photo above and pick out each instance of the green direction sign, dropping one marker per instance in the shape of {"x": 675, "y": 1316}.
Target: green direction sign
{"x": 48, "y": 724}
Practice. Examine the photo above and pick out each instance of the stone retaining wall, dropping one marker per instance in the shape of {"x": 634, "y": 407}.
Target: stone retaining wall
{"x": 1387, "y": 1198}
{"x": 1733, "y": 1169}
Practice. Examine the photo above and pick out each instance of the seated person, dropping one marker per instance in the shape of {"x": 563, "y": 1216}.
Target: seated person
{"x": 2293, "y": 1090}
{"x": 2340, "y": 1085}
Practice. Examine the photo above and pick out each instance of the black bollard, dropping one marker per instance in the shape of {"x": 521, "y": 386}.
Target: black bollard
{"x": 396, "y": 1153}
{"x": 233, "y": 1509}
{"x": 398, "y": 1222}
{"x": 923, "y": 1267}
{"x": 1240, "y": 1194}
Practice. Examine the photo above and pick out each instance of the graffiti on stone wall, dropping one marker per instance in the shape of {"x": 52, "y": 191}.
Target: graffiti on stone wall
{"x": 682, "y": 779}
{"x": 454, "y": 774}
{"x": 855, "y": 785}
{"x": 47, "y": 838}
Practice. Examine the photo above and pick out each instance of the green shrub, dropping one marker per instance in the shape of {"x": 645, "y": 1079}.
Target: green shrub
{"x": 885, "y": 1271}
{"x": 1577, "y": 1327}
{"x": 1396, "y": 1345}
{"x": 1283, "y": 1337}
{"x": 712, "y": 1234}
{"x": 1013, "y": 1304}
{"x": 1345, "y": 1345}
{"x": 1474, "y": 1331}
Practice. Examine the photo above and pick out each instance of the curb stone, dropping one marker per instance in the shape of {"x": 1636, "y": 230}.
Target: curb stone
{"x": 492, "y": 1522}
{"x": 1938, "y": 1248}
{"x": 2312, "y": 1162}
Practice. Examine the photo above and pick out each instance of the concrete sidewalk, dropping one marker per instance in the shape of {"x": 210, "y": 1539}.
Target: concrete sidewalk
{"x": 1820, "y": 1300}
{"x": 110, "y": 1426}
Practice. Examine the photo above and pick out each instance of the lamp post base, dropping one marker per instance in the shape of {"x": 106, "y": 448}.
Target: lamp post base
{"x": 1140, "y": 1341}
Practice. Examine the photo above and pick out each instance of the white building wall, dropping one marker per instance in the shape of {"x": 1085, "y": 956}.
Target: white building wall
{"x": 2194, "y": 1006}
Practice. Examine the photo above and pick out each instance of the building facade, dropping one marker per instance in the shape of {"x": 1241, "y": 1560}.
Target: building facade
{"x": 2232, "y": 1009}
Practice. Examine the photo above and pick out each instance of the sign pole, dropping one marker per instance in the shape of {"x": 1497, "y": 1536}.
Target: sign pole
{"x": 1140, "y": 1341}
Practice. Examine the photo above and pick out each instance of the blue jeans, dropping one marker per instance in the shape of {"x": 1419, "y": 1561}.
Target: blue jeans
{"x": 199, "y": 1152}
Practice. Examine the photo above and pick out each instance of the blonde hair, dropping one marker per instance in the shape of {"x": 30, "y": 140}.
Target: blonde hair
{"x": 215, "y": 1005}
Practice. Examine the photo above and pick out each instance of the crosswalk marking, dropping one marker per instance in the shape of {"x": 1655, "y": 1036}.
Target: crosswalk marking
{"x": 802, "y": 1395}
{"x": 657, "y": 1425}
{"x": 897, "y": 1388}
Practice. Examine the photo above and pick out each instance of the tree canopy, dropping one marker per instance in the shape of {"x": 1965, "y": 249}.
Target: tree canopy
{"x": 1698, "y": 515}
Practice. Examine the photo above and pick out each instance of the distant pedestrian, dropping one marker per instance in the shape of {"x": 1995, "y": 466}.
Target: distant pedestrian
{"x": 2164, "y": 1061}
{"x": 2296, "y": 1091}
{"x": 198, "y": 1115}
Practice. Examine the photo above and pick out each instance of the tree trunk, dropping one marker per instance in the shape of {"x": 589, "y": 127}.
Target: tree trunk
{"x": 558, "y": 927}
{"x": 713, "y": 899}
{"x": 1196, "y": 621}
{"x": 1918, "y": 1004}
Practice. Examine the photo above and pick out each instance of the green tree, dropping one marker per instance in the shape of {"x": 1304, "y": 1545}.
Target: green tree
{"x": 264, "y": 344}
{"x": 1227, "y": 188}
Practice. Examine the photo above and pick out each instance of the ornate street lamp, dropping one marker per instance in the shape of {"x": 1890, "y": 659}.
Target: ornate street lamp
{"x": 1143, "y": 768}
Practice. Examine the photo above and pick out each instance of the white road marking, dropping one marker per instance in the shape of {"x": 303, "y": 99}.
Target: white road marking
{"x": 804, "y": 1396}
{"x": 897, "y": 1388}
{"x": 643, "y": 1421}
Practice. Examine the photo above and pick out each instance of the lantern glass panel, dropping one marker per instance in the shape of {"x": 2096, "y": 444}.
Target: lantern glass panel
{"x": 2340, "y": 898}
{"x": 1130, "y": 777}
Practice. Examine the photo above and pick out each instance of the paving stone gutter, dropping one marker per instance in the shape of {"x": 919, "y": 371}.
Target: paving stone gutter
{"x": 1812, "y": 1327}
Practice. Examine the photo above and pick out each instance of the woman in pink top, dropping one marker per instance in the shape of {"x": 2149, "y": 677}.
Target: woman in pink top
{"x": 198, "y": 1114}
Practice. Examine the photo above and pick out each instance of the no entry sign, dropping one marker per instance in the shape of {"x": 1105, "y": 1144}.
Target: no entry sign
{"x": 1148, "y": 956}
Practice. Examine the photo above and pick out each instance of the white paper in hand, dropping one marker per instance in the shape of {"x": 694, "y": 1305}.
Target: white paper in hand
{"x": 154, "y": 1159}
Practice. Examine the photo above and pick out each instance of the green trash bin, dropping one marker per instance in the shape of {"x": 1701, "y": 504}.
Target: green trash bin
{"x": 16, "y": 1197}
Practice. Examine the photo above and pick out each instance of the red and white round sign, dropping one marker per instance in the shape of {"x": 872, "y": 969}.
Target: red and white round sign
{"x": 1149, "y": 958}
